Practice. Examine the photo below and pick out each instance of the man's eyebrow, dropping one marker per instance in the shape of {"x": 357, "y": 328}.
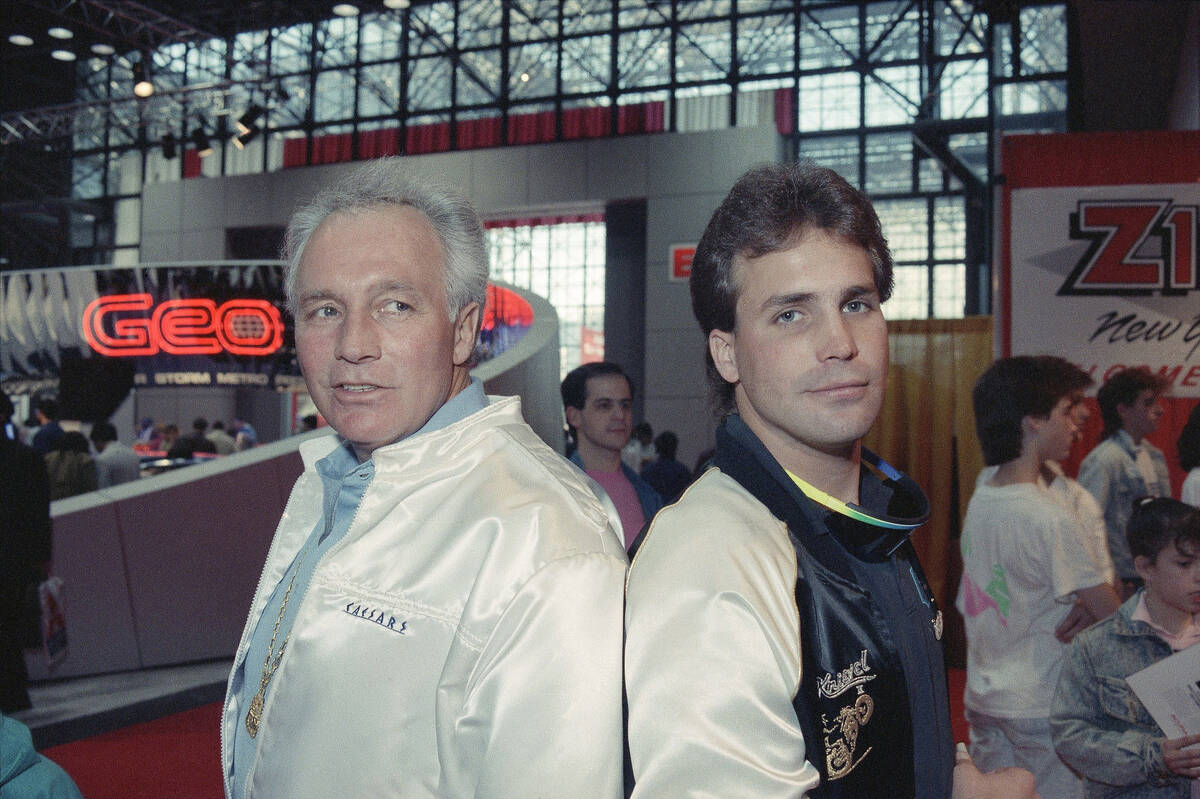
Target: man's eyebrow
{"x": 779, "y": 301}
{"x": 381, "y": 287}
{"x": 311, "y": 296}
{"x": 867, "y": 290}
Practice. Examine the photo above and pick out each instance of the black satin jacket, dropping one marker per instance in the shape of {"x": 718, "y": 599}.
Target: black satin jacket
{"x": 853, "y": 703}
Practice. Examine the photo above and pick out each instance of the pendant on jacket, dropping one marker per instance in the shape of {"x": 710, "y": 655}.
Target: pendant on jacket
{"x": 254, "y": 714}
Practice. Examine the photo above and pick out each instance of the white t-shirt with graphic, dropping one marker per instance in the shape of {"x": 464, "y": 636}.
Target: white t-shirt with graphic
{"x": 1025, "y": 553}
{"x": 1081, "y": 502}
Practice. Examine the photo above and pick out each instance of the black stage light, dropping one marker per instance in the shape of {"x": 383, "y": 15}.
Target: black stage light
{"x": 200, "y": 139}
{"x": 247, "y": 129}
{"x": 246, "y": 121}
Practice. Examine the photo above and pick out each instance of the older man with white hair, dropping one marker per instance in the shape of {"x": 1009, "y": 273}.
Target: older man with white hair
{"x": 440, "y": 611}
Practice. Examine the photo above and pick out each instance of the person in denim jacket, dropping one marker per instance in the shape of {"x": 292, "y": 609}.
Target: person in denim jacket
{"x": 1125, "y": 466}
{"x": 1099, "y": 726}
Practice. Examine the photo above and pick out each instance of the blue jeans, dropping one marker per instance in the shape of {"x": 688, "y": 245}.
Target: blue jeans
{"x": 1025, "y": 743}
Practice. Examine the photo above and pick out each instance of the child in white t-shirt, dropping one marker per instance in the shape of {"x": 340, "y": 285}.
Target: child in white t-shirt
{"x": 1099, "y": 725}
{"x": 1027, "y": 558}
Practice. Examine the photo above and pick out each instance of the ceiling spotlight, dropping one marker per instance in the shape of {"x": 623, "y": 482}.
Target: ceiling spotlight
{"x": 396, "y": 4}
{"x": 345, "y": 10}
{"x": 200, "y": 140}
{"x": 100, "y": 48}
{"x": 142, "y": 86}
{"x": 61, "y": 33}
{"x": 20, "y": 40}
{"x": 62, "y": 55}
{"x": 246, "y": 121}
{"x": 169, "y": 146}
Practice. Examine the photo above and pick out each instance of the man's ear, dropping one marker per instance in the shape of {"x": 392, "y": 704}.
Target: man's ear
{"x": 1122, "y": 411}
{"x": 720, "y": 347}
{"x": 573, "y": 416}
{"x": 1031, "y": 426}
{"x": 466, "y": 327}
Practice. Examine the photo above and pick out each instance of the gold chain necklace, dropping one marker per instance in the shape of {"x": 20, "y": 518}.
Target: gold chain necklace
{"x": 254, "y": 714}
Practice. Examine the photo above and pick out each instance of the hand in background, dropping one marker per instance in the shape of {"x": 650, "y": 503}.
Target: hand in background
{"x": 1078, "y": 620}
{"x": 1005, "y": 783}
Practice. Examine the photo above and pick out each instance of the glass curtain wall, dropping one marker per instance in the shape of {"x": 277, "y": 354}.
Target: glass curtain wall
{"x": 561, "y": 259}
{"x": 903, "y": 97}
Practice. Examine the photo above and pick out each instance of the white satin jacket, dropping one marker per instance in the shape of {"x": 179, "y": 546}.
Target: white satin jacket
{"x": 462, "y": 640}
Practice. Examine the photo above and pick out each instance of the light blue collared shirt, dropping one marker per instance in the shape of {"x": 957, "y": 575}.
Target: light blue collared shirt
{"x": 344, "y": 482}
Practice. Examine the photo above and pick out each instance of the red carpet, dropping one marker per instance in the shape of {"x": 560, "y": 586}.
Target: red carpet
{"x": 177, "y": 755}
{"x": 958, "y": 681}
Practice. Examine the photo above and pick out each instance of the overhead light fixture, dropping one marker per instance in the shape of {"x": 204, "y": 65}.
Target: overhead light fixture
{"x": 200, "y": 140}
{"x": 62, "y": 55}
{"x": 345, "y": 10}
{"x": 60, "y": 33}
{"x": 100, "y": 48}
{"x": 246, "y": 121}
{"x": 169, "y": 146}
{"x": 247, "y": 129}
{"x": 142, "y": 86}
{"x": 20, "y": 40}
{"x": 396, "y": 5}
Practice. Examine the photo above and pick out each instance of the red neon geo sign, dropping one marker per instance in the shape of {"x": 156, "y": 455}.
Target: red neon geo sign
{"x": 181, "y": 327}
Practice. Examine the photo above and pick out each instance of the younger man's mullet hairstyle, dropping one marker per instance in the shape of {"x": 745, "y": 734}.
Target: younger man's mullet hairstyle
{"x": 1016, "y": 387}
{"x": 771, "y": 208}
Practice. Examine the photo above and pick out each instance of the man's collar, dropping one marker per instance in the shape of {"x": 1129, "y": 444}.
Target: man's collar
{"x": 1126, "y": 441}
{"x": 613, "y": 457}
{"x": 466, "y": 402}
{"x": 742, "y": 456}
{"x": 470, "y": 400}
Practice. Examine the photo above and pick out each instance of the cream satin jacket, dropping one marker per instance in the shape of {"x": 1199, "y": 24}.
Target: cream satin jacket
{"x": 462, "y": 640}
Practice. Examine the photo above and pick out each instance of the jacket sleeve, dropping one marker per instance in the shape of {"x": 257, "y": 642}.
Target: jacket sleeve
{"x": 1100, "y": 746}
{"x": 1095, "y": 474}
{"x": 542, "y": 710}
{"x": 712, "y": 660}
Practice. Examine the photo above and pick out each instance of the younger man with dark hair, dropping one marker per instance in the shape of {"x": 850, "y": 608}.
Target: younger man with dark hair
{"x": 1100, "y": 727}
{"x": 781, "y": 640}
{"x": 1026, "y": 558}
{"x": 598, "y": 399}
{"x": 1124, "y": 466}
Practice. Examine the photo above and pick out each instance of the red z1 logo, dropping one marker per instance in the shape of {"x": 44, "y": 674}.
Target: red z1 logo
{"x": 1118, "y": 231}
{"x": 181, "y": 327}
